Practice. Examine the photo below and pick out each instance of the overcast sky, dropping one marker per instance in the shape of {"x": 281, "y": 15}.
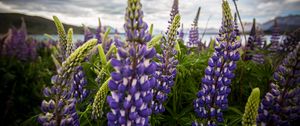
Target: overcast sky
{"x": 111, "y": 12}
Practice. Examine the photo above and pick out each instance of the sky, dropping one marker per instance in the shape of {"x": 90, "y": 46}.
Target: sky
{"x": 111, "y": 12}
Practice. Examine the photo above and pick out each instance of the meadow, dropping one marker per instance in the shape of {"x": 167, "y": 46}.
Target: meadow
{"x": 140, "y": 78}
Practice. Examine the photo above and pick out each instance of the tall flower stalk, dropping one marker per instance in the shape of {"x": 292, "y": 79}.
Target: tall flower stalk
{"x": 194, "y": 39}
{"x": 212, "y": 97}
{"x": 166, "y": 71}
{"x": 15, "y": 44}
{"x": 181, "y": 33}
{"x": 60, "y": 108}
{"x": 281, "y": 104}
{"x": 251, "y": 109}
{"x": 275, "y": 45}
{"x": 255, "y": 43}
{"x": 132, "y": 81}
{"x": 173, "y": 13}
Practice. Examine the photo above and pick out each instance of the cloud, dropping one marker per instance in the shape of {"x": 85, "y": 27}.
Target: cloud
{"x": 111, "y": 12}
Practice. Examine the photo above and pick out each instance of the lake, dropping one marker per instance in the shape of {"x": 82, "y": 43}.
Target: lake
{"x": 207, "y": 37}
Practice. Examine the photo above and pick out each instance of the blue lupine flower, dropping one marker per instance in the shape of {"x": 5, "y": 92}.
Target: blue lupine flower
{"x": 79, "y": 83}
{"x": 212, "y": 98}
{"x": 181, "y": 33}
{"x": 275, "y": 45}
{"x": 281, "y": 104}
{"x": 174, "y": 12}
{"x": 87, "y": 34}
{"x": 15, "y": 44}
{"x": 255, "y": 43}
{"x": 290, "y": 42}
{"x": 133, "y": 80}
{"x": 99, "y": 31}
{"x": 60, "y": 108}
{"x": 166, "y": 71}
{"x": 194, "y": 39}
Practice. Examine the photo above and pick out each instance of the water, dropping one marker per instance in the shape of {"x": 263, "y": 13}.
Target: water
{"x": 206, "y": 37}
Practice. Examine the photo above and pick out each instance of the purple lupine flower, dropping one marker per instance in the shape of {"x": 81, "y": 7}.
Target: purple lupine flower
{"x": 174, "y": 12}
{"x": 212, "y": 98}
{"x": 181, "y": 33}
{"x": 194, "y": 39}
{"x": 117, "y": 40}
{"x": 99, "y": 31}
{"x": 79, "y": 83}
{"x": 291, "y": 41}
{"x": 281, "y": 105}
{"x": 256, "y": 42}
{"x": 87, "y": 34}
{"x": 166, "y": 71}
{"x": 58, "y": 111}
{"x": 60, "y": 106}
{"x": 16, "y": 44}
{"x": 133, "y": 80}
{"x": 250, "y": 43}
{"x": 275, "y": 38}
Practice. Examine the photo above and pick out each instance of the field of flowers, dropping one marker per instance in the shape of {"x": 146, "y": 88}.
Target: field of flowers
{"x": 146, "y": 79}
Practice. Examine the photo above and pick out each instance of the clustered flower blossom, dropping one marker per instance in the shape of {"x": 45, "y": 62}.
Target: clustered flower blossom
{"x": 60, "y": 108}
{"x": 194, "y": 39}
{"x": 133, "y": 79}
{"x": 181, "y": 33}
{"x": 15, "y": 44}
{"x": 79, "y": 83}
{"x": 212, "y": 98}
{"x": 291, "y": 41}
{"x": 87, "y": 34}
{"x": 173, "y": 13}
{"x": 166, "y": 71}
{"x": 256, "y": 42}
{"x": 275, "y": 45}
{"x": 281, "y": 105}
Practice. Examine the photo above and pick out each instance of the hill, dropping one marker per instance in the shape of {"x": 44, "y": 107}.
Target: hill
{"x": 35, "y": 24}
{"x": 286, "y": 24}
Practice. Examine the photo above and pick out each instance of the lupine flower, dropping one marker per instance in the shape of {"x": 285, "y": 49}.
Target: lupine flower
{"x": 60, "y": 109}
{"x": 275, "y": 45}
{"x": 174, "y": 12}
{"x": 291, "y": 41}
{"x": 281, "y": 105}
{"x": 250, "y": 43}
{"x": 99, "y": 100}
{"x": 63, "y": 42}
{"x": 166, "y": 71}
{"x": 133, "y": 80}
{"x": 212, "y": 97}
{"x": 87, "y": 34}
{"x": 79, "y": 83}
{"x": 194, "y": 39}
{"x": 99, "y": 31}
{"x": 15, "y": 44}
{"x": 181, "y": 33}
{"x": 255, "y": 43}
{"x": 251, "y": 108}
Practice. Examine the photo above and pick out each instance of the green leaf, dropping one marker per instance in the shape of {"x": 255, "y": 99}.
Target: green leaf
{"x": 177, "y": 47}
{"x": 154, "y": 41}
{"x": 151, "y": 29}
{"x": 102, "y": 54}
